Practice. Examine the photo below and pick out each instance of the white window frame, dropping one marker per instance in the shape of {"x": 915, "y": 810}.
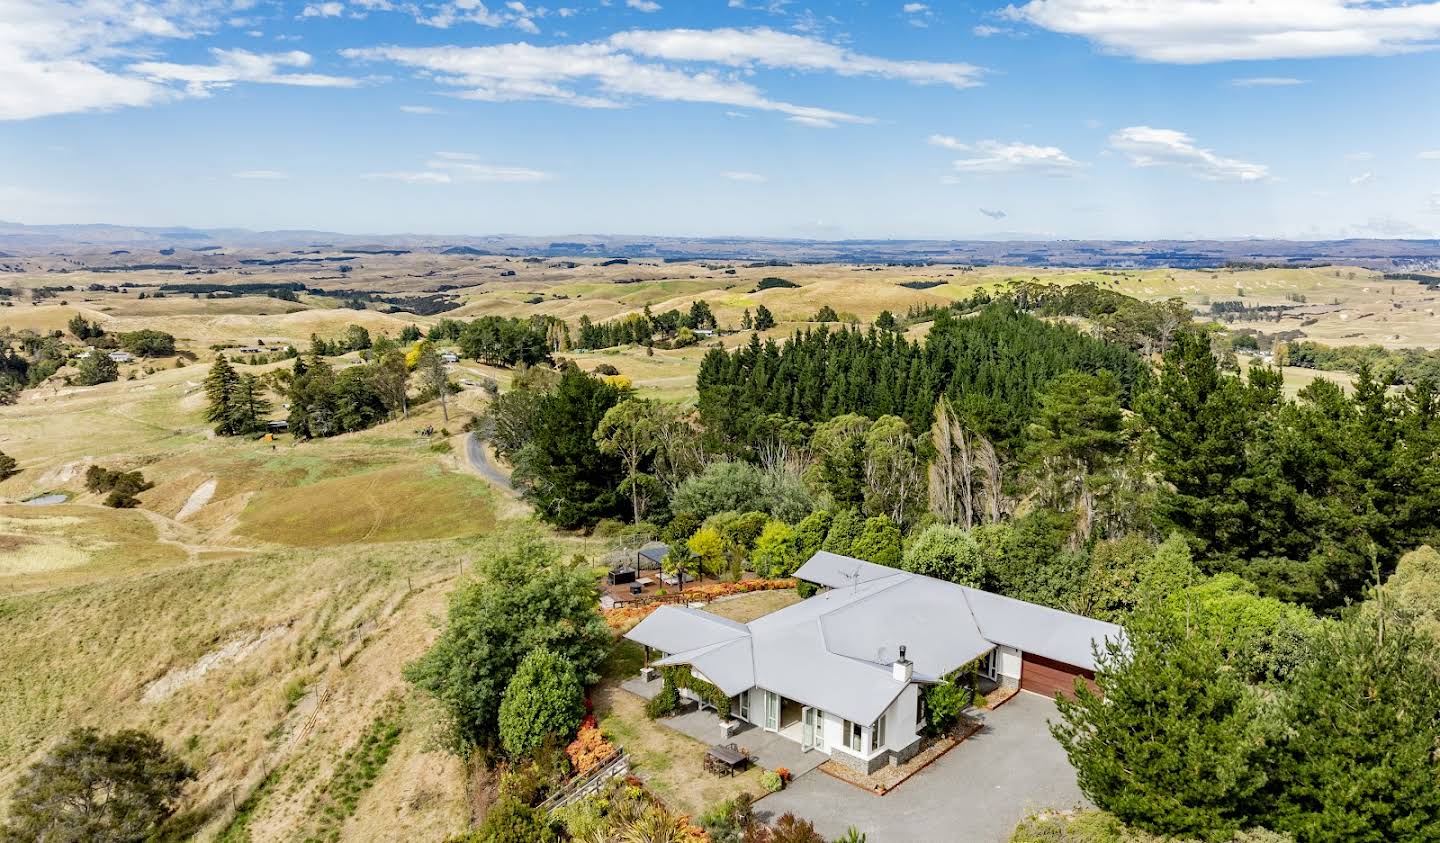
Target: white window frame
{"x": 744, "y": 706}
{"x": 772, "y": 711}
{"x": 990, "y": 665}
{"x": 854, "y": 737}
{"x": 877, "y": 734}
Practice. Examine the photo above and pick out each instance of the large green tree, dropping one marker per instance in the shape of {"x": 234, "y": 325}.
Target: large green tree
{"x": 116, "y": 788}
{"x": 523, "y": 597}
{"x": 1171, "y": 743}
{"x": 561, "y": 469}
{"x": 1357, "y": 759}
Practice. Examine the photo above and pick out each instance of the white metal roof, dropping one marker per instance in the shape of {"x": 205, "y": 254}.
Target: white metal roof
{"x": 834, "y": 651}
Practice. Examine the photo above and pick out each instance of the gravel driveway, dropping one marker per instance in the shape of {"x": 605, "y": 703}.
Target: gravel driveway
{"x": 976, "y": 792}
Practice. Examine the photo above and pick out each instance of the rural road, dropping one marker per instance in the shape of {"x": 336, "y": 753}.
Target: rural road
{"x": 479, "y": 457}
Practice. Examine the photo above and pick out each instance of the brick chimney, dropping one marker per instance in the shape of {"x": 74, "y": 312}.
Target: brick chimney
{"x": 902, "y": 669}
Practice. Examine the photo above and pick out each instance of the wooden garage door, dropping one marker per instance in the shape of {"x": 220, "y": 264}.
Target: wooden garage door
{"x": 1049, "y": 677}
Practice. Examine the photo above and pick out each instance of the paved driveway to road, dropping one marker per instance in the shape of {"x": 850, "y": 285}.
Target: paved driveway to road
{"x": 975, "y": 793}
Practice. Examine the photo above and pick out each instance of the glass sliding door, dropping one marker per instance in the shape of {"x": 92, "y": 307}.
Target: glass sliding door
{"x": 772, "y": 711}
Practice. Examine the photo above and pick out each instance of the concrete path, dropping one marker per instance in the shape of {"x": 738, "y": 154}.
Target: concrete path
{"x": 975, "y": 793}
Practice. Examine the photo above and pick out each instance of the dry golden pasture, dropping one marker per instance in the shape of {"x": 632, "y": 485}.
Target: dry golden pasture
{"x": 257, "y": 607}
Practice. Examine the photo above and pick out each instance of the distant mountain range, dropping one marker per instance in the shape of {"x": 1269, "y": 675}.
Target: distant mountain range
{"x": 19, "y": 239}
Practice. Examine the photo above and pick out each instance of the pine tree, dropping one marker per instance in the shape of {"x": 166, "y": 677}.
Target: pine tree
{"x": 1171, "y": 743}
{"x": 248, "y": 406}
{"x": 220, "y": 396}
{"x": 764, "y": 319}
{"x": 1357, "y": 760}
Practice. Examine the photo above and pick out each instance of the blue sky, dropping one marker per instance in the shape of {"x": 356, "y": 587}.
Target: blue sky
{"x": 1051, "y": 118}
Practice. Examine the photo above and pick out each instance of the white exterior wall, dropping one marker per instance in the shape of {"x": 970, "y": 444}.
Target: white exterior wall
{"x": 900, "y": 719}
{"x": 1010, "y": 662}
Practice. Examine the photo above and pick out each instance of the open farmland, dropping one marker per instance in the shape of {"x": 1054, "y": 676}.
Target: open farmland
{"x": 257, "y": 606}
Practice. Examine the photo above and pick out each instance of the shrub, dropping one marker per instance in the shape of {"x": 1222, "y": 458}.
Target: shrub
{"x": 512, "y": 821}
{"x": 776, "y": 553}
{"x": 878, "y": 542}
{"x": 123, "y": 486}
{"x": 589, "y": 748}
{"x": 771, "y": 781}
{"x": 543, "y": 702}
{"x": 946, "y": 553}
{"x": 7, "y": 466}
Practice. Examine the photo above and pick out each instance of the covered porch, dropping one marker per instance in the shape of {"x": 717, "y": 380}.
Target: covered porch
{"x": 771, "y": 750}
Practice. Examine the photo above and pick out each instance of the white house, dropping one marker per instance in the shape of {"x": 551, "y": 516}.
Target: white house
{"x": 841, "y": 672}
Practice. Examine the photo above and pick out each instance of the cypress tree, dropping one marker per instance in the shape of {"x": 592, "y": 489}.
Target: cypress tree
{"x": 220, "y": 396}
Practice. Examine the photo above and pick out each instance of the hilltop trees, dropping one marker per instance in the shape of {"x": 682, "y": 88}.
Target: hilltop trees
{"x": 115, "y": 787}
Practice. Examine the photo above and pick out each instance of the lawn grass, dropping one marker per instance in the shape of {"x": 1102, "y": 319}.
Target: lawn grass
{"x": 670, "y": 764}
{"x": 747, "y": 607}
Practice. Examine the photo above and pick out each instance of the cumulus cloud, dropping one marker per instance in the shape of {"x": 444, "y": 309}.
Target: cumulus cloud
{"x": 452, "y": 167}
{"x": 643, "y": 5}
{"x": 1150, "y": 147}
{"x": 1200, "y": 31}
{"x": 323, "y": 10}
{"x": 65, "y": 56}
{"x": 648, "y": 65}
{"x": 991, "y": 156}
{"x": 741, "y": 175}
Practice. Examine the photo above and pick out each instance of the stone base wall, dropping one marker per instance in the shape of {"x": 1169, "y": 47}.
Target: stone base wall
{"x": 883, "y": 759}
{"x": 1009, "y": 681}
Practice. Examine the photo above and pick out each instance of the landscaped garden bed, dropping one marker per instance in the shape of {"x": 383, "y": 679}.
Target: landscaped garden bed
{"x": 889, "y": 777}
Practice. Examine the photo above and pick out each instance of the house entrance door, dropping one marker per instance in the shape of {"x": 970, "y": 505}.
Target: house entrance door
{"x": 808, "y": 732}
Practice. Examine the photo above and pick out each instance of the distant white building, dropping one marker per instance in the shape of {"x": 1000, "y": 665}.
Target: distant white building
{"x": 450, "y": 357}
{"x": 121, "y": 356}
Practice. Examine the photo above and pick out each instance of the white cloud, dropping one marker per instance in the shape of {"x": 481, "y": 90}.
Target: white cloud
{"x": 741, "y": 175}
{"x": 1362, "y": 179}
{"x": 914, "y": 8}
{"x": 261, "y": 175}
{"x": 1267, "y": 82}
{"x": 1429, "y": 155}
{"x": 323, "y": 10}
{"x": 595, "y": 75}
{"x": 643, "y": 5}
{"x": 1199, "y": 31}
{"x": 946, "y": 142}
{"x": 451, "y": 167}
{"x": 1359, "y": 156}
{"x": 233, "y": 66}
{"x": 994, "y": 215}
{"x": 765, "y": 47}
{"x": 420, "y": 109}
{"x": 1150, "y": 147}
{"x": 990, "y": 157}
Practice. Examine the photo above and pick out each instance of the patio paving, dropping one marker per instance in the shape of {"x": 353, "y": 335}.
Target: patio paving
{"x": 975, "y": 793}
{"x": 770, "y": 748}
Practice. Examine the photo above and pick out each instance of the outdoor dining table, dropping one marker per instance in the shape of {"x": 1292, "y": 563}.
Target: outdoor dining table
{"x": 726, "y": 758}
